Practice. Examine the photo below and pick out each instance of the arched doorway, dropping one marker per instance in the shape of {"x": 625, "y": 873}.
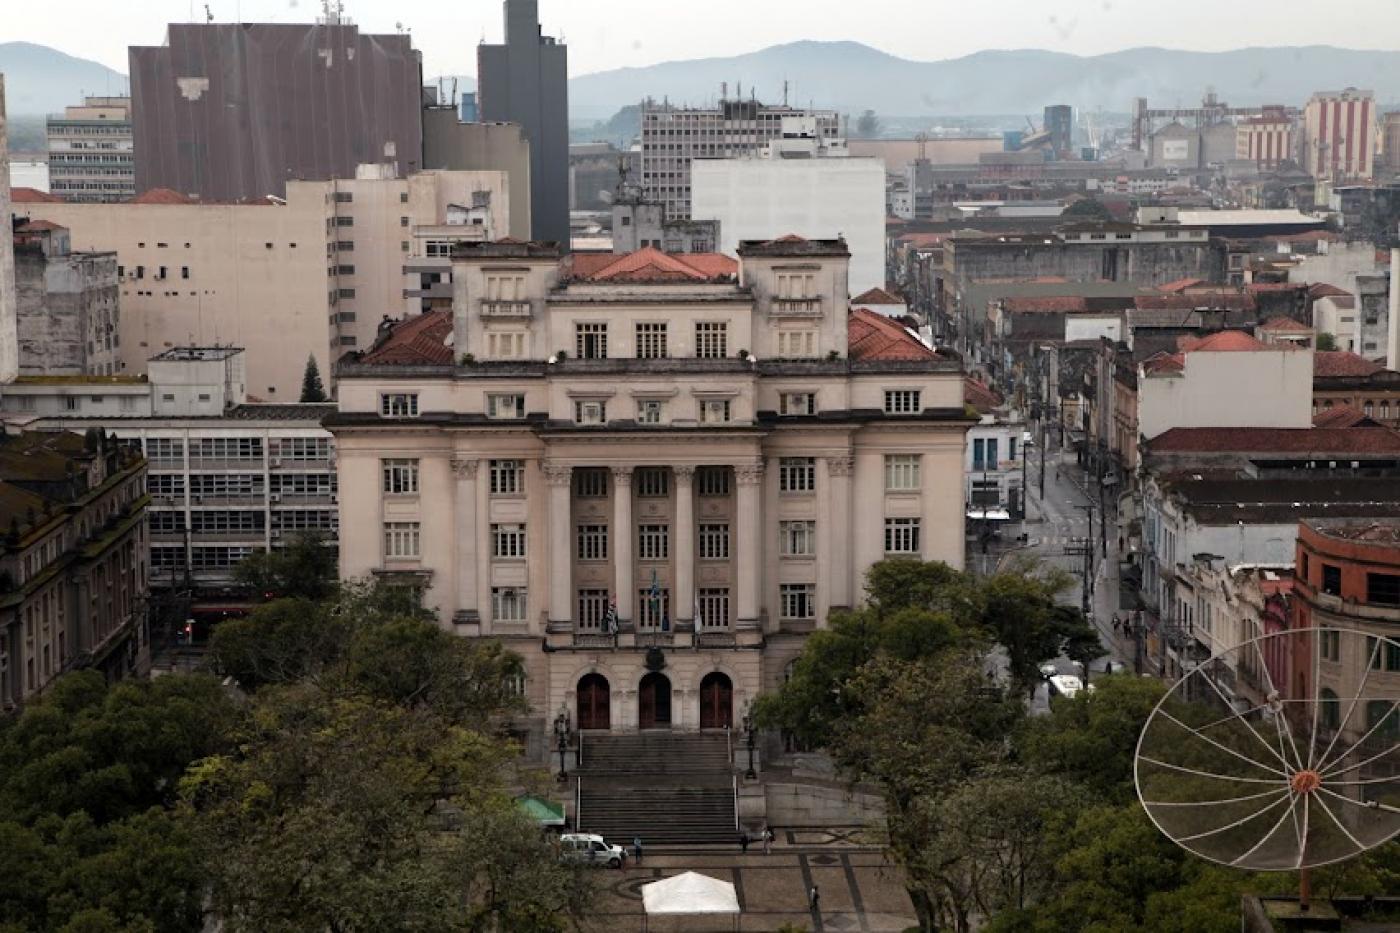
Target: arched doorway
{"x": 593, "y": 702}
{"x": 654, "y": 701}
{"x": 716, "y": 701}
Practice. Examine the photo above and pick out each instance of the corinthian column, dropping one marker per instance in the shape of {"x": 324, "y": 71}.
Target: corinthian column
{"x": 749, "y": 478}
{"x": 468, "y": 607}
{"x": 835, "y": 538}
{"x": 622, "y": 532}
{"x": 683, "y": 592}
{"x": 561, "y": 565}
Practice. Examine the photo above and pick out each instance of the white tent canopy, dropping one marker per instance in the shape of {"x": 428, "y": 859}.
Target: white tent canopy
{"x": 689, "y": 893}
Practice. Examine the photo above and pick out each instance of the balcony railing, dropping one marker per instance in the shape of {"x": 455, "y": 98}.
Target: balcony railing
{"x": 505, "y": 309}
{"x": 805, "y": 307}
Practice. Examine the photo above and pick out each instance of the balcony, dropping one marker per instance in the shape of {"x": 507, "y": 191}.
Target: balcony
{"x": 796, "y": 307}
{"x": 505, "y": 309}
{"x": 436, "y": 290}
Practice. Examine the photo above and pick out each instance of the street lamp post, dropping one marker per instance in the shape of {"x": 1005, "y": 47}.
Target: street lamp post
{"x": 749, "y": 738}
{"x": 561, "y": 735}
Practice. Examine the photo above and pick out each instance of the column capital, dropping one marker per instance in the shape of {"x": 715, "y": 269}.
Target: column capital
{"x": 557, "y": 474}
{"x": 622, "y": 475}
{"x": 465, "y": 469}
{"x": 749, "y": 474}
{"x": 684, "y": 474}
{"x": 841, "y": 466}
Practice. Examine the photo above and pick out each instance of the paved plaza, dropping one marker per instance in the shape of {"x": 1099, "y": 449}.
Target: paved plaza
{"x": 860, "y": 890}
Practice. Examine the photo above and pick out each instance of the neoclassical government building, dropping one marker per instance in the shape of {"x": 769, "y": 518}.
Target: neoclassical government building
{"x": 650, "y": 475}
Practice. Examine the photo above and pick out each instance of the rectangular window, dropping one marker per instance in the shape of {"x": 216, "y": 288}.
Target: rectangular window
{"x": 902, "y": 401}
{"x": 505, "y": 345}
{"x": 591, "y": 341}
{"x": 653, "y": 542}
{"x": 797, "y": 403}
{"x": 1331, "y": 580}
{"x": 649, "y": 411}
{"x": 592, "y": 542}
{"x": 1383, "y": 588}
{"x": 901, "y": 472}
{"x": 798, "y": 601}
{"x": 591, "y": 483}
{"x": 401, "y": 477}
{"x": 653, "y": 608}
{"x": 505, "y": 407}
{"x": 653, "y": 483}
{"x": 901, "y": 536}
{"x": 401, "y": 540}
{"x": 507, "y": 477}
{"x": 714, "y": 411}
{"x": 797, "y": 474}
{"x": 712, "y": 481}
{"x": 508, "y": 603}
{"x": 651, "y": 341}
{"x": 399, "y": 405}
{"x": 592, "y": 610}
{"x": 797, "y": 344}
{"x": 508, "y": 542}
{"x": 714, "y": 607}
{"x": 714, "y": 541}
{"x": 165, "y": 450}
{"x": 711, "y": 340}
{"x": 1387, "y": 658}
{"x": 797, "y": 539}
{"x": 590, "y": 412}
{"x": 1330, "y": 644}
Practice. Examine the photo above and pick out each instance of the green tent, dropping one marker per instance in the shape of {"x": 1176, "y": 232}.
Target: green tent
{"x": 544, "y": 812}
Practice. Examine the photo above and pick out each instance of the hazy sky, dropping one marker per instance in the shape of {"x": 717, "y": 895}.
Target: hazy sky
{"x": 606, "y": 34}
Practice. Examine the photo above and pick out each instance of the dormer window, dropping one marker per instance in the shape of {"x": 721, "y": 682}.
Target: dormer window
{"x": 591, "y": 340}
{"x": 399, "y": 405}
{"x": 591, "y": 412}
{"x": 902, "y": 401}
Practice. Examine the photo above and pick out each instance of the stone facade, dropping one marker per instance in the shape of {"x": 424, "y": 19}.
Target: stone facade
{"x": 623, "y": 465}
{"x": 66, "y": 304}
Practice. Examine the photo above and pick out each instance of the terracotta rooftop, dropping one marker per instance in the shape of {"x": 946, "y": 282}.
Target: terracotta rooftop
{"x": 872, "y": 336}
{"x": 1341, "y": 364}
{"x": 1045, "y": 304}
{"x": 36, "y": 226}
{"x": 1193, "y": 300}
{"x": 418, "y": 340}
{"x": 650, "y": 264}
{"x": 1257, "y": 287}
{"x": 1164, "y": 363}
{"x": 980, "y": 395}
{"x": 1179, "y": 285}
{"x": 1283, "y": 324}
{"x": 1278, "y": 441}
{"x": 876, "y": 296}
{"x": 33, "y": 196}
{"x": 1324, "y": 290}
{"x": 1343, "y": 416}
{"x": 161, "y": 196}
{"x": 1225, "y": 341}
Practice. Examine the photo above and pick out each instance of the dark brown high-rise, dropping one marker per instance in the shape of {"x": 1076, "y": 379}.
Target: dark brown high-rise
{"x": 230, "y": 111}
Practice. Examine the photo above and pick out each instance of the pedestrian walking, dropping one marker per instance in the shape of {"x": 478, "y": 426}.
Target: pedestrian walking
{"x": 637, "y": 849}
{"x": 814, "y": 899}
{"x": 767, "y": 841}
{"x": 744, "y": 843}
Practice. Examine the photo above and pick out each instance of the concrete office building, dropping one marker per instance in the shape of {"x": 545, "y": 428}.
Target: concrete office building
{"x": 1059, "y": 123}
{"x": 73, "y": 566}
{"x": 1266, "y": 140}
{"x": 638, "y": 223}
{"x": 314, "y": 274}
{"x": 719, "y": 457}
{"x": 452, "y": 145}
{"x": 66, "y": 305}
{"x": 800, "y": 183}
{"x": 91, "y": 151}
{"x": 1339, "y": 131}
{"x": 234, "y": 111}
{"x": 1390, "y": 143}
{"x": 672, "y": 136}
{"x": 526, "y": 81}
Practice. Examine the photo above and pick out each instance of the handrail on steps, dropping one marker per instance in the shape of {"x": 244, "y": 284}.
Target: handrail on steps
{"x": 578, "y": 804}
{"x": 735, "y": 780}
{"x": 729, "y": 744}
{"x": 578, "y": 752}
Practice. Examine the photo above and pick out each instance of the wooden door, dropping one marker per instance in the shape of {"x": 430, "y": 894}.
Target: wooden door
{"x": 593, "y": 702}
{"x": 716, "y": 702}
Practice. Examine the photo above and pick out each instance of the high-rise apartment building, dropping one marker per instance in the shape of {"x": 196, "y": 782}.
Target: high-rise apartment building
{"x": 91, "y": 151}
{"x": 1339, "y": 132}
{"x": 1266, "y": 139}
{"x": 526, "y": 81}
{"x": 672, "y": 136}
{"x": 234, "y": 111}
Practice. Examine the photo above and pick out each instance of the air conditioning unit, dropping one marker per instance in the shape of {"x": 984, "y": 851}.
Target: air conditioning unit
{"x": 276, "y": 462}
{"x": 335, "y": 499}
{"x": 275, "y": 498}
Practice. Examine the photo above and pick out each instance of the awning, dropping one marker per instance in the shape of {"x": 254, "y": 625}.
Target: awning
{"x": 544, "y": 812}
{"x": 989, "y": 515}
{"x": 690, "y": 893}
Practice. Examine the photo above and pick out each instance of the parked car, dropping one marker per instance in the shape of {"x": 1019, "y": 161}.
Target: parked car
{"x": 1065, "y": 685}
{"x": 588, "y": 849}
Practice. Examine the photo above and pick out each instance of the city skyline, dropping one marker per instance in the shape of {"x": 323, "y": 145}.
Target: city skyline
{"x": 617, "y": 34}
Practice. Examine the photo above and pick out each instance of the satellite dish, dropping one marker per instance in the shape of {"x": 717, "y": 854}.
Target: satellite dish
{"x": 1280, "y": 754}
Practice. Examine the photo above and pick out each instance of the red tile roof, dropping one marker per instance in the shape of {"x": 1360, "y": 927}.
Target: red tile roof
{"x": 1323, "y": 290}
{"x": 1343, "y": 416}
{"x": 980, "y": 395}
{"x": 33, "y": 196}
{"x": 876, "y": 296}
{"x": 1179, "y": 285}
{"x": 1164, "y": 363}
{"x": 872, "y": 336}
{"x": 34, "y": 226}
{"x": 161, "y": 196}
{"x": 1191, "y": 301}
{"x": 417, "y": 340}
{"x": 1338, "y": 364}
{"x": 1258, "y": 287}
{"x": 1225, "y": 341}
{"x": 1278, "y": 440}
{"x": 1283, "y": 324}
{"x": 650, "y": 264}
{"x": 1045, "y": 304}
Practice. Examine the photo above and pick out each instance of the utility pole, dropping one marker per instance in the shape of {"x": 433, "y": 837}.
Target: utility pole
{"x": 1083, "y": 548}
{"x": 1089, "y": 559}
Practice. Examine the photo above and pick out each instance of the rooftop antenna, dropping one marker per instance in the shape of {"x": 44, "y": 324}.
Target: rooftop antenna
{"x": 785, "y": 92}
{"x": 208, "y": 14}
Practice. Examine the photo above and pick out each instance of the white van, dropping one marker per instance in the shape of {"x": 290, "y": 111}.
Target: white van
{"x": 588, "y": 849}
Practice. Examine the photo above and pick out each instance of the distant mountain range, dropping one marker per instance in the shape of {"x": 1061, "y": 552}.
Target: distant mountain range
{"x": 852, "y": 77}
{"x": 41, "y": 80}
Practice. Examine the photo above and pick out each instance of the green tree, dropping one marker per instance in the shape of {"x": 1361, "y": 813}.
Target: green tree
{"x": 1326, "y": 341}
{"x": 1087, "y": 209}
{"x": 305, "y": 568}
{"x": 1018, "y": 610}
{"x": 311, "y": 388}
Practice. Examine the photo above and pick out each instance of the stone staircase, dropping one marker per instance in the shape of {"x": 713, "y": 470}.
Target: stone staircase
{"x": 668, "y": 788}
